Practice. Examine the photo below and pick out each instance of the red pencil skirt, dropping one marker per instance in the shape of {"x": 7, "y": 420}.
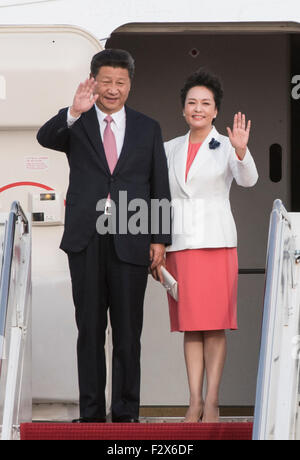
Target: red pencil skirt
{"x": 207, "y": 289}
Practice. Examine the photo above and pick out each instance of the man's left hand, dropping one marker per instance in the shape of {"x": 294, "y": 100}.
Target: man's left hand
{"x": 157, "y": 253}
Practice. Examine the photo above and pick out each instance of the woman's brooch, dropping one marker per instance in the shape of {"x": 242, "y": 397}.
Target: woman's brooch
{"x": 214, "y": 144}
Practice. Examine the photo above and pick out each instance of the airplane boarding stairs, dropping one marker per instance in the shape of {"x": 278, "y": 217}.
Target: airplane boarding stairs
{"x": 277, "y": 396}
{"x": 15, "y": 333}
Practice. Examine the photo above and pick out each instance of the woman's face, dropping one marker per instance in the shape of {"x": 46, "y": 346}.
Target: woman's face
{"x": 200, "y": 107}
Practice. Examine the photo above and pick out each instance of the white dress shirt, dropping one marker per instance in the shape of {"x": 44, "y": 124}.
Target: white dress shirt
{"x": 118, "y": 125}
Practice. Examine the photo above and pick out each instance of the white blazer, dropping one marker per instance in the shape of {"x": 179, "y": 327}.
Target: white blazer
{"x": 201, "y": 212}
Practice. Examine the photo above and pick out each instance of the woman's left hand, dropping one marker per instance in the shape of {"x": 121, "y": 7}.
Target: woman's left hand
{"x": 239, "y": 136}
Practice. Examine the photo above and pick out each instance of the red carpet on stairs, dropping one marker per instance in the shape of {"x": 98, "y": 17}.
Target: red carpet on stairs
{"x": 142, "y": 431}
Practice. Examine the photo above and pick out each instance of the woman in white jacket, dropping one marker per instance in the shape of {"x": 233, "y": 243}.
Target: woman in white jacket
{"x": 203, "y": 254}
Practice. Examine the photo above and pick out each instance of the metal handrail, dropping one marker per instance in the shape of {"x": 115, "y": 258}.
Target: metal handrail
{"x": 276, "y": 217}
{"x": 279, "y": 216}
{"x": 16, "y": 212}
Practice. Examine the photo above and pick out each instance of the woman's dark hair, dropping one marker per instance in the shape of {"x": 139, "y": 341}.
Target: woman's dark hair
{"x": 113, "y": 58}
{"x": 203, "y": 78}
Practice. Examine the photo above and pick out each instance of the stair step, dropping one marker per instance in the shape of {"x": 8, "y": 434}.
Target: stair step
{"x": 142, "y": 431}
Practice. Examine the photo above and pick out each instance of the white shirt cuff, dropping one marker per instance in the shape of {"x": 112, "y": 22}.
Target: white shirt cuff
{"x": 71, "y": 120}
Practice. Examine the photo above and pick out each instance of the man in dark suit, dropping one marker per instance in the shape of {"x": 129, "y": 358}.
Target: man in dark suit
{"x": 111, "y": 150}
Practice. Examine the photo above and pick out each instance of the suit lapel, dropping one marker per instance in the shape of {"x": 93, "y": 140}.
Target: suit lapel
{"x": 180, "y": 159}
{"x": 130, "y": 135}
{"x": 203, "y": 154}
{"x": 91, "y": 125}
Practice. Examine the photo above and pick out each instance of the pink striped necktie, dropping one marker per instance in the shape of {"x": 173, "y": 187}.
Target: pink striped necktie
{"x": 110, "y": 145}
{"x": 110, "y": 148}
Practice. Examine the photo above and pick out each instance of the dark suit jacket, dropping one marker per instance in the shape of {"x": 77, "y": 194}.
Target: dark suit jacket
{"x": 141, "y": 171}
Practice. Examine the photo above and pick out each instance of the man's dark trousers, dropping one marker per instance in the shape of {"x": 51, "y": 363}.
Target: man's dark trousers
{"x": 98, "y": 277}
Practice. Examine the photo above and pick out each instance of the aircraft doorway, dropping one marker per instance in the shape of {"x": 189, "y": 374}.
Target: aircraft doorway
{"x": 254, "y": 63}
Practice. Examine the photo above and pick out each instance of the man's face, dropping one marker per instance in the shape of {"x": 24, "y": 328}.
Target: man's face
{"x": 113, "y": 88}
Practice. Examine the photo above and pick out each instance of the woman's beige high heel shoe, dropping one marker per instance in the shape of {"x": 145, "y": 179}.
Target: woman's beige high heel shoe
{"x": 211, "y": 419}
{"x": 194, "y": 417}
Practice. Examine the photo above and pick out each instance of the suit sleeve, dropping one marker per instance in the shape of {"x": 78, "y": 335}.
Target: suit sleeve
{"x": 244, "y": 171}
{"x": 160, "y": 193}
{"x": 55, "y": 133}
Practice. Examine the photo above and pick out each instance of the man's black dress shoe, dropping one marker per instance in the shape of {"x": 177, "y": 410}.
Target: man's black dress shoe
{"x": 89, "y": 420}
{"x": 125, "y": 419}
